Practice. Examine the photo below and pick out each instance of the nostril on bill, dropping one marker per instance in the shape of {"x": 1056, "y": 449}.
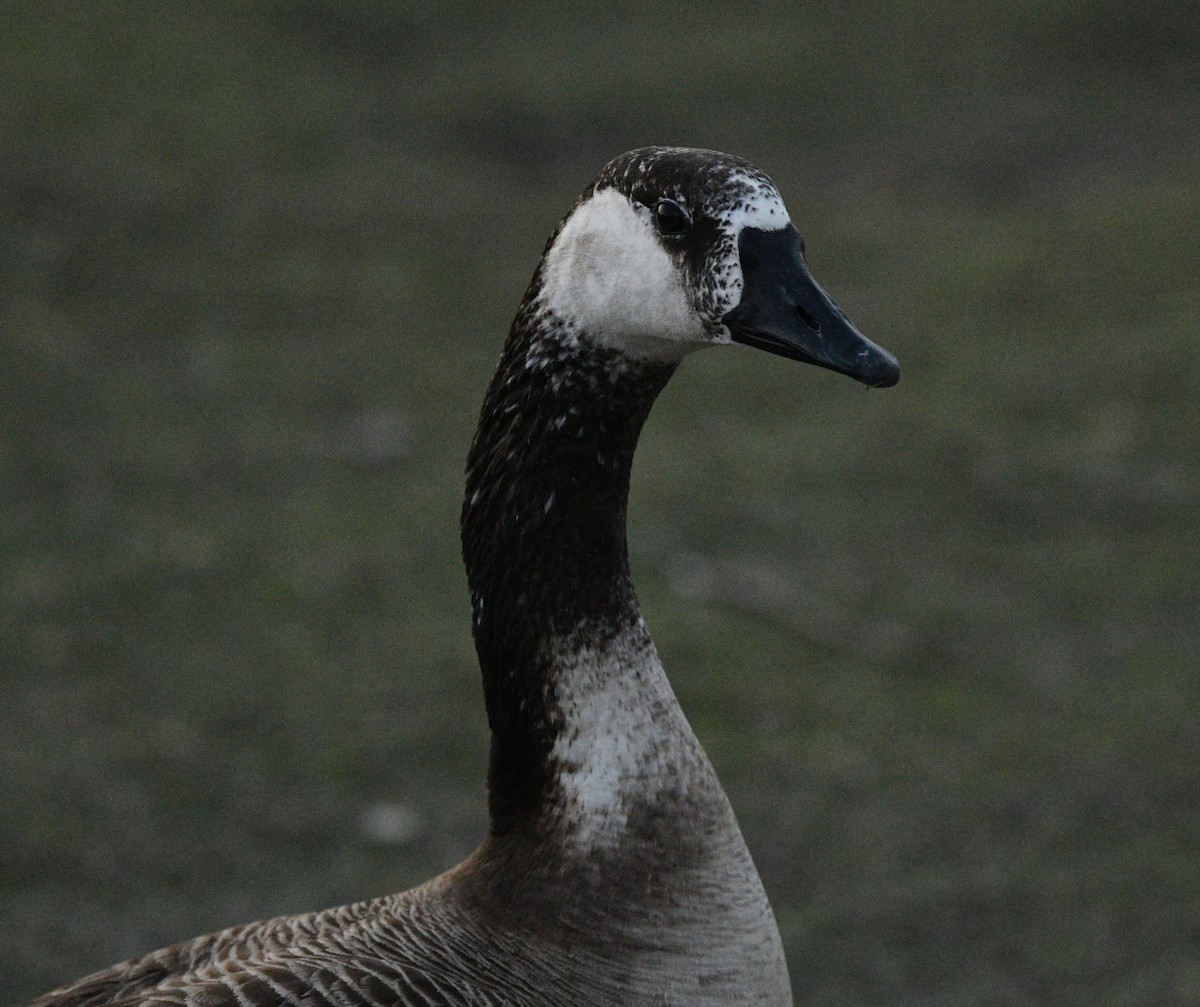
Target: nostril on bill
{"x": 807, "y": 319}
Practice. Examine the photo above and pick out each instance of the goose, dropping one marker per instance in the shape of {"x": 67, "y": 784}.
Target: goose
{"x": 613, "y": 870}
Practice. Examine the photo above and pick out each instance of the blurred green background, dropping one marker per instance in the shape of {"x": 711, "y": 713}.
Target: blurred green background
{"x": 257, "y": 260}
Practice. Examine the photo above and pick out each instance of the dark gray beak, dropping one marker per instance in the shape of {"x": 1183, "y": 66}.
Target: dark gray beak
{"x": 783, "y": 310}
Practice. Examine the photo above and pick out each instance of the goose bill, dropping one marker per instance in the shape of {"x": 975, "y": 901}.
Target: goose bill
{"x": 783, "y": 310}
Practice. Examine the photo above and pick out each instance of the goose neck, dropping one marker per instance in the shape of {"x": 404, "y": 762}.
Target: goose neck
{"x": 544, "y": 536}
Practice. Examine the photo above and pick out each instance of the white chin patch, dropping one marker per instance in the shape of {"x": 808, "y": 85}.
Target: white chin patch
{"x": 608, "y": 276}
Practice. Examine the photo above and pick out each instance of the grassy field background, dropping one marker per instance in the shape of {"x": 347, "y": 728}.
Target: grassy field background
{"x": 256, "y": 263}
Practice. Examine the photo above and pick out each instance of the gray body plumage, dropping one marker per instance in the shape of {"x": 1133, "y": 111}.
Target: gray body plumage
{"x": 510, "y": 927}
{"x": 613, "y": 871}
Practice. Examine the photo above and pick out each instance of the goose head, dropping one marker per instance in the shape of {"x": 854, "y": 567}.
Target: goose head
{"x": 671, "y": 249}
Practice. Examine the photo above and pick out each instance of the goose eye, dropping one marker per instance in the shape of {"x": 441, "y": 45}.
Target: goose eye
{"x": 670, "y": 217}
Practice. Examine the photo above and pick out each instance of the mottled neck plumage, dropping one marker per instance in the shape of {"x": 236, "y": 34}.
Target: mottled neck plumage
{"x": 543, "y": 529}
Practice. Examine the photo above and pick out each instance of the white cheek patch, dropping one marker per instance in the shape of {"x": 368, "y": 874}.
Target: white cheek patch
{"x": 609, "y": 276}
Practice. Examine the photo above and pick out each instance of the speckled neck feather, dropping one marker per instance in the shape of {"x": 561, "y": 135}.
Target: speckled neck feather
{"x": 543, "y": 529}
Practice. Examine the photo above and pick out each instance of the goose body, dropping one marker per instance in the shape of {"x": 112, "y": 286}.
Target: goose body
{"x": 613, "y": 871}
